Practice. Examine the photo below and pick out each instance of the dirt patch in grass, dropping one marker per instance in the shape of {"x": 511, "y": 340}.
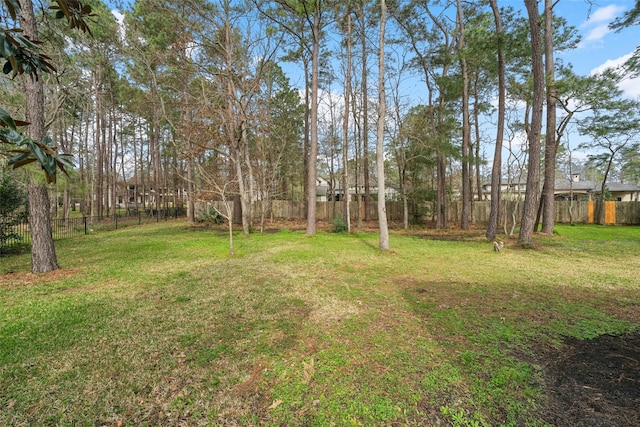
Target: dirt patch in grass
{"x": 594, "y": 382}
{"x": 587, "y": 382}
{"x": 17, "y": 279}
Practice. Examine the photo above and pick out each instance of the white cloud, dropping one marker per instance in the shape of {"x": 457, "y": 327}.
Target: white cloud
{"x": 597, "y": 33}
{"x": 630, "y": 87}
{"x": 596, "y": 26}
{"x": 611, "y": 63}
{"x": 604, "y": 14}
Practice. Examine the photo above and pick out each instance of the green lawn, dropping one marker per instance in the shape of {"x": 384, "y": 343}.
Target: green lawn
{"x": 158, "y": 325}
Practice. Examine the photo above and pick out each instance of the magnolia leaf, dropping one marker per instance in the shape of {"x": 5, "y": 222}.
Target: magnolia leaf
{"x": 13, "y": 6}
{"x": 21, "y": 160}
{"x": 11, "y": 136}
{"x": 6, "y": 120}
{"x": 8, "y": 66}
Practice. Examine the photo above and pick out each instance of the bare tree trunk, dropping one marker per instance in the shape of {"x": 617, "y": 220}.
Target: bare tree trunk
{"x": 113, "y": 150}
{"x": 43, "y": 254}
{"x": 365, "y": 117}
{"x": 245, "y": 193}
{"x": 307, "y": 133}
{"x": 98, "y": 194}
{"x": 356, "y": 162}
{"x": 477, "y": 161}
{"x": 466, "y": 127}
{"x": 533, "y": 176}
{"x": 441, "y": 198}
{"x": 382, "y": 105}
{"x": 496, "y": 170}
{"x": 313, "y": 126}
{"x": 345, "y": 128}
{"x": 551, "y": 143}
{"x": 64, "y": 144}
{"x": 190, "y": 190}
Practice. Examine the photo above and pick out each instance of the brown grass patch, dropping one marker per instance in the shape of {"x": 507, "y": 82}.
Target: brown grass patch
{"x": 17, "y": 279}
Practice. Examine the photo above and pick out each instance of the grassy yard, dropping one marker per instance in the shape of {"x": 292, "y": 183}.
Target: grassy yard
{"x": 158, "y": 325}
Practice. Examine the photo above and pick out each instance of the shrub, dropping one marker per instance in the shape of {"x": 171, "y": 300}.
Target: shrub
{"x": 213, "y": 217}
{"x": 12, "y": 198}
{"x": 339, "y": 225}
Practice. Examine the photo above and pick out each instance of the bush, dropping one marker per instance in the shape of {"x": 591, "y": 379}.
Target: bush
{"x": 213, "y": 217}
{"x": 339, "y": 225}
{"x": 12, "y": 198}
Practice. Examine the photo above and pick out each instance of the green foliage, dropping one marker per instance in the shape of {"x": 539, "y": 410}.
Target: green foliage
{"x": 460, "y": 418}
{"x": 11, "y": 199}
{"x": 212, "y": 217}
{"x": 22, "y": 56}
{"x": 29, "y": 151}
{"x": 11, "y": 196}
{"x": 339, "y": 225}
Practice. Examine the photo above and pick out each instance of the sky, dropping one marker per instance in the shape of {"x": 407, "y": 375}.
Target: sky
{"x": 600, "y": 47}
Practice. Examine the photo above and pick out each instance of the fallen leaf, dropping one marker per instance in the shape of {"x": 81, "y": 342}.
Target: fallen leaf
{"x": 275, "y": 404}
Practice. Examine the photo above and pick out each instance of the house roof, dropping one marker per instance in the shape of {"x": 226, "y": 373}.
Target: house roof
{"x": 567, "y": 185}
{"x": 619, "y": 186}
{"x": 513, "y": 181}
{"x": 563, "y": 184}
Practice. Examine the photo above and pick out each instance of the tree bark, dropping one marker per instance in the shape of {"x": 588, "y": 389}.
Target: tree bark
{"x": 496, "y": 171}
{"x": 382, "y": 105}
{"x": 43, "y": 255}
{"x": 551, "y": 142}
{"x": 533, "y": 176}
{"x": 345, "y": 128}
{"x": 313, "y": 126}
{"x": 365, "y": 116}
{"x": 466, "y": 127}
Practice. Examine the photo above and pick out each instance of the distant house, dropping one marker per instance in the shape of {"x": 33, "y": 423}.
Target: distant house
{"x": 325, "y": 192}
{"x": 587, "y": 190}
{"x": 130, "y": 194}
{"x": 322, "y": 189}
{"x": 510, "y": 189}
{"x": 565, "y": 189}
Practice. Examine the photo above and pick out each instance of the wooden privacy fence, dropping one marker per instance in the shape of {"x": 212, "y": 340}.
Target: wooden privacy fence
{"x": 619, "y": 213}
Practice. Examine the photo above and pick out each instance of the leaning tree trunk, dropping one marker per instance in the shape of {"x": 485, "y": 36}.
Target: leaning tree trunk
{"x": 43, "y": 254}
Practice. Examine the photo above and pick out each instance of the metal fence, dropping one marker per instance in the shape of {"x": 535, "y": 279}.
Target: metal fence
{"x": 15, "y": 232}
